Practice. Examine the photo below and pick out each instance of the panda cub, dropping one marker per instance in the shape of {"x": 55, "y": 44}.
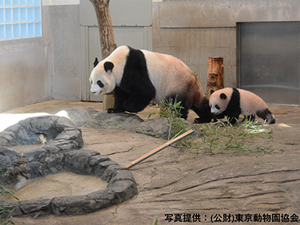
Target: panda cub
{"x": 232, "y": 102}
{"x": 139, "y": 76}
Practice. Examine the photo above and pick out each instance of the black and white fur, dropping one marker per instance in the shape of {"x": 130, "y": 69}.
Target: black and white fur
{"x": 232, "y": 102}
{"x": 139, "y": 76}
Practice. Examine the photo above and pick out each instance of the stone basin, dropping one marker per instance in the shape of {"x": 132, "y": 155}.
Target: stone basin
{"x": 59, "y": 184}
{"x": 61, "y": 153}
{"x": 58, "y": 134}
{"x": 27, "y": 148}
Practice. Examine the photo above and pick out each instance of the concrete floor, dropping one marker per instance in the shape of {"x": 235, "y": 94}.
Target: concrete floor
{"x": 183, "y": 181}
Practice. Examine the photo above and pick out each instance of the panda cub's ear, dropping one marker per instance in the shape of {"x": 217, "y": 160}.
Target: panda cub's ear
{"x": 108, "y": 66}
{"x": 223, "y": 96}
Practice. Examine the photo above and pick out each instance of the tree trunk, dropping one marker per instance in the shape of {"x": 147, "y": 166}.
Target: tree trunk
{"x": 107, "y": 39}
{"x": 215, "y": 75}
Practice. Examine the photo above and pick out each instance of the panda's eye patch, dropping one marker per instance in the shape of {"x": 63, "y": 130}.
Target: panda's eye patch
{"x": 100, "y": 84}
{"x": 217, "y": 107}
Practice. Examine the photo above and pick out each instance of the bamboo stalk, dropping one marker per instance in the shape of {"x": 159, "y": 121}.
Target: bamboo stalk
{"x": 149, "y": 154}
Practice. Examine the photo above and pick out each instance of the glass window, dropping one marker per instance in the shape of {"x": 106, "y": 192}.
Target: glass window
{"x": 8, "y": 15}
{"x": 16, "y": 31}
{"x": 20, "y": 19}
{"x": 23, "y": 30}
{"x": 8, "y": 31}
{"x": 16, "y": 15}
{"x": 30, "y": 14}
{"x": 1, "y": 15}
{"x": 15, "y": 2}
{"x": 7, "y": 2}
{"x": 2, "y": 32}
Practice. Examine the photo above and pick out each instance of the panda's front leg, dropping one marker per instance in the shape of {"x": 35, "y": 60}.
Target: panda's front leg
{"x": 141, "y": 94}
{"x": 121, "y": 97}
{"x": 233, "y": 119}
{"x": 218, "y": 117}
{"x": 136, "y": 103}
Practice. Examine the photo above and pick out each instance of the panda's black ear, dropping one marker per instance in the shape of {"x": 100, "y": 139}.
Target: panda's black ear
{"x": 108, "y": 66}
{"x": 223, "y": 96}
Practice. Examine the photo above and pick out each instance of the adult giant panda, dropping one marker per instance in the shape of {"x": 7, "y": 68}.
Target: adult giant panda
{"x": 138, "y": 76}
{"x": 232, "y": 102}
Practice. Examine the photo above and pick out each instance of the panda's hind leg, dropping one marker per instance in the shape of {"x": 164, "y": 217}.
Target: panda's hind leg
{"x": 184, "y": 112}
{"x": 266, "y": 115}
{"x": 171, "y": 101}
{"x": 250, "y": 118}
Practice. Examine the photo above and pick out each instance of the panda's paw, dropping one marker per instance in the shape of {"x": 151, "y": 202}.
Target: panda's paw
{"x": 113, "y": 110}
{"x": 197, "y": 120}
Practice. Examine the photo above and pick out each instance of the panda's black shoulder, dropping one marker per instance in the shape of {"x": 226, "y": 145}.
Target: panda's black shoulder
{"x": 233, "y": 107}
{"x": 135, "y": 56}
{"x": 135, "y": 61}
{"x": 135, "y": 72}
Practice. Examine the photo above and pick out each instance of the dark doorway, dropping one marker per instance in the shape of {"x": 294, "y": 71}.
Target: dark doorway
{"x": 269, "y": 59}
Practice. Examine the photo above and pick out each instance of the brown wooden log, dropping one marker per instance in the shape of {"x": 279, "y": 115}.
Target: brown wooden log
{"x": 215, "y": 75}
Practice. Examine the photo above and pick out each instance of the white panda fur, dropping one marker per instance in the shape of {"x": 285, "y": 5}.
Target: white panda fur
{"x": 138, "y": 76}
{"x": 232, "y": 102}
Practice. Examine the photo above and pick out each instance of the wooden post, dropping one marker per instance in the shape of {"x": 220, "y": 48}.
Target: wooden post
{"x": 215, "y": 75}
{"x": 107, "y": 39}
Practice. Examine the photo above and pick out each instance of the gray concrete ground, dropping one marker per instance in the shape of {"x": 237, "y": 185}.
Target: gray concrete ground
{"x": 187, "y": 186}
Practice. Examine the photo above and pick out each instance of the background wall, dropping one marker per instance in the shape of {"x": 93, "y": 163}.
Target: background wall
{"x": 196, "y": 30}
{"x": 57, "y": 66}
{"x": 23, "y": 73}
{"x": 63, "y": 37}
{"x": 37, "y": 69}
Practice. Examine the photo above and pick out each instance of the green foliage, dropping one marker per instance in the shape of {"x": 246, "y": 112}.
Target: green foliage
{"x": 155, "y": 222}
{"x": 171, "y": 110}
{"x": 194, "y": 74}
{"x": 5, "y": 207}
{"x": 221, "y": 136}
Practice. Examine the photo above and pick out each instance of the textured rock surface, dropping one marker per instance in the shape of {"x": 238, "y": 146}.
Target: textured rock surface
{"x": 61, "y": 134}
{"x": 88, "y": 117}
{"x": 61, "y": 154}
{"x": 27, "y": 131}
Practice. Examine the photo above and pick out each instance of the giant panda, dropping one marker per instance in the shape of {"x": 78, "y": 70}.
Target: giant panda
{"x": 232, "y": 102}
{"x": 139, "y": 76}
